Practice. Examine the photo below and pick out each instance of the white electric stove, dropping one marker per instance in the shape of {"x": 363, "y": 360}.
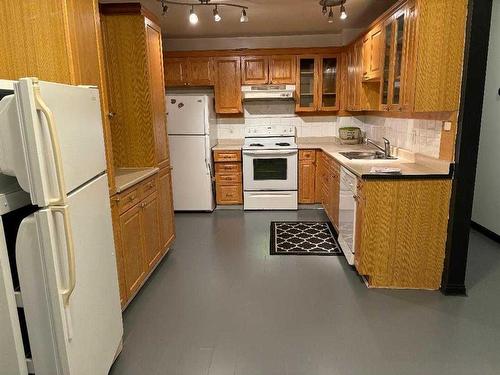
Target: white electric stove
{"x": 270, "y": 156}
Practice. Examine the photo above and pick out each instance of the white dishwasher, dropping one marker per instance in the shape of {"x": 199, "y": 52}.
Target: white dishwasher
{"x": 347, "y": 213}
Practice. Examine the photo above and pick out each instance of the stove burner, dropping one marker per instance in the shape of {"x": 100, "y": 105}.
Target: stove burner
{"x": 283, "y": 144}
{"x": 256, "y": 145}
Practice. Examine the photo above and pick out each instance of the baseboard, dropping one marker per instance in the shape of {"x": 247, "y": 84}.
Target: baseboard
{"x": 454, "y": 290}
{"x": 488, "y": 233}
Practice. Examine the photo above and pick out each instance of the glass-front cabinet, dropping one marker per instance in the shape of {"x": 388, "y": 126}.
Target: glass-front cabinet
{"x": 317, "y": 83}
{"x": 392, "y": 74}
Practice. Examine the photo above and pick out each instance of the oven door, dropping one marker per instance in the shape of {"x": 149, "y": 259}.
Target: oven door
{"x": 270, "y": 170}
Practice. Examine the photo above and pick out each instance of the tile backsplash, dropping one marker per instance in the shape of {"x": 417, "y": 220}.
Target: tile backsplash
{"x": 419, "y": 136}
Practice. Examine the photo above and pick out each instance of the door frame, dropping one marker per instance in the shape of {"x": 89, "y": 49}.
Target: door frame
{"x": 467, "y": 146}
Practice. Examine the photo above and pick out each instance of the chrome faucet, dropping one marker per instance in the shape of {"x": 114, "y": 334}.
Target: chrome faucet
{"x": 386, "y": 149}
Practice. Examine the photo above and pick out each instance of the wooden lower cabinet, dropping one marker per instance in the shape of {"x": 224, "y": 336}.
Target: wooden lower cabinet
{"x": 328, "y": 194}
{"x": 228, "y": 177}
{"x": 144, "y": 230}
{"x": 307, "y": 176}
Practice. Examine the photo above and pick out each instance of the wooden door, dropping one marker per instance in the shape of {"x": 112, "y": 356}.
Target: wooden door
{"x": 307, "y": 84}
{"x": 200, "y": 71}
{"x": 408, "y": 89}
{"x": 307, "y": 176}
{"x": 151, "y": 229}
{"x": 157, "y": 89}
{"x": 228, "y": 85}
{"x": 254, "y": 70}
{"x": 176, "y": 71}
{"x": 133, "y": 249}
{"x": 375, "y": 53}
{"x": 328, "y": 95}
{"x": 167, "y": 226}
{"x": 282, "y": 70}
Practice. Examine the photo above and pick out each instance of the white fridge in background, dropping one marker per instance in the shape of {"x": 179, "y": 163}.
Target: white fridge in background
{"x": 61, "y": 267}
{"x": 192, "y": 134}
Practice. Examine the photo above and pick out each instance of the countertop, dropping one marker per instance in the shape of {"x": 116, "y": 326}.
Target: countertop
{"x": 128, "y": 177}
{"x": 411, "y": 165}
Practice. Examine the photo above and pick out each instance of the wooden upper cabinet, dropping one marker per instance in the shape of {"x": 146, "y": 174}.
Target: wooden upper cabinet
{"x": 329, "y": 83}
{"x": 155, "y": 62}
{"x": 188, "y": 72}
{"x": 307, "y": 84}
{"x": 282, "y": 69}
{"x": 371, "y": 63}
{"x": 228, "y": 85}
{"x": 175, "y": 72}
{"x": 409, "y": 65}
{"x": 254, "y": 70}
{"x": 200, "y": 72}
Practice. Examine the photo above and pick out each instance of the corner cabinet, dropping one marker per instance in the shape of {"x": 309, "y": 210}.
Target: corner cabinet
{"x": 228, "y": 85}
{"x": 317, "y": 83}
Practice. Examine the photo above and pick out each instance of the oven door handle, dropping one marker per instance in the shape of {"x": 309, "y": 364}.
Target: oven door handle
{"x": 271, "y": 152}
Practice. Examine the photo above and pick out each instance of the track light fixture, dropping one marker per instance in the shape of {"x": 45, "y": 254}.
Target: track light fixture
{"x": 193, "y": 17}
{"x": 325, "y": 4}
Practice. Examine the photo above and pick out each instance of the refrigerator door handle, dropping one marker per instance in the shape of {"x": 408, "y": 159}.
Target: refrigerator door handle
{"x": 68, "y": 234}
{"x": 56, "y": 148}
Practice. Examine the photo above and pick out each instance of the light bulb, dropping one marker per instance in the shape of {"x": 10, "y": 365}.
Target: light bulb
{"x": 244, "y": 17}
{"x": 343, "y": 14}
{"x": 217, "y": 16}
{"x": 324, "y": 10}
{"x": 330, "y": 16}
{"x": 193, "y": 18}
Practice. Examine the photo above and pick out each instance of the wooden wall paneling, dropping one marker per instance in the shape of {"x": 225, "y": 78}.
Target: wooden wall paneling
{"x": 167, "y": 223}
{"x": 200, "y": 71}
{"x": 157, "y": 89}
{"x": 282, "y": 69}
{"x": 228, "y": 85}
{"x": 254, "y": 70}
{"x": 129, "y": 86}
{"x": 440, "y": 52}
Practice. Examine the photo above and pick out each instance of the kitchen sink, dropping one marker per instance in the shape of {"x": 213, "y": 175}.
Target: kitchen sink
{"x": 366, "y": 155}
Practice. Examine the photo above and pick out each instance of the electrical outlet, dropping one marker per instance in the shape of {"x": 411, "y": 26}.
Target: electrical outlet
{"x": 447, "y": 125}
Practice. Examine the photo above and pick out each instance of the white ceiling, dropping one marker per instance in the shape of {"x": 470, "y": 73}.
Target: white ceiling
{"x": 266, "y": 17}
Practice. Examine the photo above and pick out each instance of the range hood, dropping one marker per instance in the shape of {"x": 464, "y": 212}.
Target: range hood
{"x": 266, "y": 92}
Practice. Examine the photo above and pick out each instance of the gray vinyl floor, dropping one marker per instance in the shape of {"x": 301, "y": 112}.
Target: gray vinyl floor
{"x": 219, "y": 304}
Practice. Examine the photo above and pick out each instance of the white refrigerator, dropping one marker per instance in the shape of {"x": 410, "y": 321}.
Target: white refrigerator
{"x": 192, "y": 134}
{"x": 51, "y": 141}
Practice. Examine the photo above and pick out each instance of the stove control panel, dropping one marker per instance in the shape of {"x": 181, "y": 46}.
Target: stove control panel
{"x": 269, "y": 130}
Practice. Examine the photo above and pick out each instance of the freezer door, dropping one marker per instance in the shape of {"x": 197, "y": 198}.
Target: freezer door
{"x": 192, "y": 173}
{"x": 12, "y": 358}
{"x": 187, "y": 114}
{"x": 32, "y": 154}
{"x": 83, "y": 336}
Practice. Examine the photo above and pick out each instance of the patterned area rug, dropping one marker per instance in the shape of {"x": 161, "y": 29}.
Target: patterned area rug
{"x": 303, "y": 238}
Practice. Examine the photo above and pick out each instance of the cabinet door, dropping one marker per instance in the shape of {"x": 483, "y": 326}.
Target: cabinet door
{"x": 151, "y": 229}
{"x": 307, "y": 175}
{"x": 328, "y": 83}
{"x": 385, "y": 87}
{"x": 358, "y": 231}
{"x": 366, "y": 56}
{"x": 376, "y": 50}
{"x": 408, "y": 87}
{"x": 200, "y": 72}
{"x": 282, "y": 70}
{"x": 396, "y": 76}
{"x": 307, "y": 84}
{"x": 228, "y": 85}
{"x": 167, "y": 226}
{"x": 120, "y": 265}
{"x": 335, "y": 198}
{"x": 176, "y": 71}
{"x": 254, "y": 70}
{"x": 133, "y": 249}
{"x": 155, "y": 62}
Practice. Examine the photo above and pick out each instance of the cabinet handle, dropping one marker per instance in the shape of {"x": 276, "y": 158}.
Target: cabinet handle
{"x": 131, "y": 198}
{"x": 111, "y": 115}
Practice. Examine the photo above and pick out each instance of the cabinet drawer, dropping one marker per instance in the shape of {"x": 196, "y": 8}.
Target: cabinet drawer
{"x": 128, "y": 200}
{"x": 228, "y": 179}
{"x": 148, "y": 186}
{"x": 228, "y": 168}
{"x": 307, "y": 155}
{"x": 229, "y": 194}
{"x": 227, "y": 156}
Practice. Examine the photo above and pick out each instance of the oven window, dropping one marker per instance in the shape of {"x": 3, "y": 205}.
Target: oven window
{"x": 269, "y": 169}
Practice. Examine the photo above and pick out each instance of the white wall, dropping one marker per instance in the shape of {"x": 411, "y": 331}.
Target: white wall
{"x": 486, "y": 211}
{"x": 280, "y": 41}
